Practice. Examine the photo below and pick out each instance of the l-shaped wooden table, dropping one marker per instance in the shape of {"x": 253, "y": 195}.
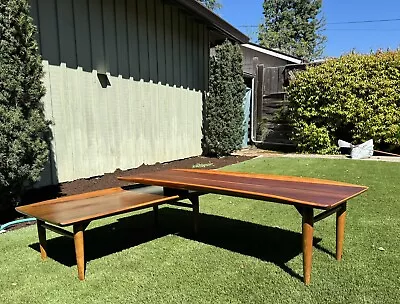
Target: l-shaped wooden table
{"x": 306, "y": 194}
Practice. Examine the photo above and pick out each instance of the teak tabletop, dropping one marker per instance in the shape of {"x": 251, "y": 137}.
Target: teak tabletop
{"x": 316, "y": 193}
{"x": 73, "y": 209}
{"x": 306, "y": 194}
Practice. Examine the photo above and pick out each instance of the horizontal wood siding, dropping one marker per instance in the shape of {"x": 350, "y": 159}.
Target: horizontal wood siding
{"x": 124, "y": 84}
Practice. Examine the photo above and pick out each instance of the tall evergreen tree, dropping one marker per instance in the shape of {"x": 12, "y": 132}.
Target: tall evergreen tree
{"x": 294, "y": 27}
{"x": 211, "y": 4}
{"x": 223, "y": 116}
{"x": 24, "y": 131}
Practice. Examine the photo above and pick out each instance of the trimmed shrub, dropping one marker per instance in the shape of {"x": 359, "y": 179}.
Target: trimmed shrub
{"x": 24, "y": 132}
{"x": 223, "y": 115}
{"x": 354, "y": 98}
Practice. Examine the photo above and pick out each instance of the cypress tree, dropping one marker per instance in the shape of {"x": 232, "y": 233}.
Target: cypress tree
{"x": 223, "y": 127}
{"x": 24, "y": 131}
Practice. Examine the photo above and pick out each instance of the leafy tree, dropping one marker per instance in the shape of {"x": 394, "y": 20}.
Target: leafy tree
{"x": 24, "y": 131}
{"x": 294, "y": 27}
{"x": 211, "y": 4}
{"x": 223, "y": 127}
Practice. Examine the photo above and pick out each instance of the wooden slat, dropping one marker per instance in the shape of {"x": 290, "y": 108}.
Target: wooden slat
{"x": 142, "y": 36}
{"x": 160, "y": 30}
{"x": 89, "y": 206}
{"x": 133, "y": 44}
{"x": 169, "y": 56}
{"x": 189, "y": 52}
{"x": 49, "y": 40}
{"x": 66, "y": 32}
{"x": 122, "y": 37}
{"x": 323, "y": 195}
{"x": 175, "y": 46}
{"x": 202, "y": 56}
{"x": 259, "y": 91}
{"x": 326, "y": 213}
{"x": 97, "y": 36}
{"x": 183, "y": 49}
{"x": 82, "y": 35}
{"x": 58, "y": 230}
{"x": 110, "y": 38}
{"x": 180, "y": 204}
{"x": 152, "y": 40}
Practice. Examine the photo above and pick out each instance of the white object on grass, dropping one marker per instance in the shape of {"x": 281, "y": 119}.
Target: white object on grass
{"x": 364, "y": 150}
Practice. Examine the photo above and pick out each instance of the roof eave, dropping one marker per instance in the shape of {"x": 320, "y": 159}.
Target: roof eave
{"x": 278, "y": 54}
{"x": 214, "y": 20}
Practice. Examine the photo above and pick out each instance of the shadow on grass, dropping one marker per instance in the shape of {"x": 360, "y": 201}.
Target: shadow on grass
{"x": 270, "y": 244}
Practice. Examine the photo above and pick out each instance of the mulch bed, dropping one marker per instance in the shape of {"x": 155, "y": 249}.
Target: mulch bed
{"x": 110, "y": 180}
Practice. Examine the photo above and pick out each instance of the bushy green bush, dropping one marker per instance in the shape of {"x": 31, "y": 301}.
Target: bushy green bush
{"x": 223, "y": 108}
{"x": 24, "y": 131}
{"x": 354, "y": 98}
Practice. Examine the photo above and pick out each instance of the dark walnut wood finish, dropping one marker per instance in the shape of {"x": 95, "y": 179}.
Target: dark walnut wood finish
{"x": 80, "y": 210}
{"x": 306, "y": 194}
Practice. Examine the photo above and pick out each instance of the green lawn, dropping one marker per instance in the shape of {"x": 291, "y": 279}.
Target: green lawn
{"x": 247, "y": 251}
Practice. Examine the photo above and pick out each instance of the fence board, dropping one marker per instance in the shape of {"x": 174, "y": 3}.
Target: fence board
{"x": 176, "y": 46}
{"x": 49, "y": 39}
{"x": 152, "y": 39}
{"x": 183, "y": 49}
{"x": 97, "y": 36}
{"x": 161, "y": 41}
{"x": 66, "y": 30}
{"x": 122, "y": 38}
{"x": 169, "y": 53}
{"x": 82, "y": 35}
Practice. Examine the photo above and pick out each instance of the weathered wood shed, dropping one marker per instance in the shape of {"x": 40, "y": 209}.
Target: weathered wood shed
{"x": 125, "y": 81}
{"x": 266, "y": 56}
{"x": 264, "y": 71}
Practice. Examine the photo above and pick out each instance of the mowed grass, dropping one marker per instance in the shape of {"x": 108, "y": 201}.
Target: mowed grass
{"x": 247, "y": 251}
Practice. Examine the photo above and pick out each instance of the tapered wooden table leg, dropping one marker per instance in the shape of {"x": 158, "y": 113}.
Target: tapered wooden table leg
{"x": 340, "y": 223}
{"x": 42, "y": 239}
{"x": 79, "y": 250}
{"x": 308, "y": 231}
{"x": 196, "y": 210}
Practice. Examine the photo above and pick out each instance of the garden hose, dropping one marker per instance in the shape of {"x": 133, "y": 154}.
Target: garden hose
{"x": 4, "y": 226}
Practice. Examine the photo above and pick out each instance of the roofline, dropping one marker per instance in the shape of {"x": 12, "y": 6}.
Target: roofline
{"x": 214, "y": 20}
{"x": 274, "y": 53}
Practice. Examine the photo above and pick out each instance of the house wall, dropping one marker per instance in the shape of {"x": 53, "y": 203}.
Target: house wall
{"x": 124, "y": 84}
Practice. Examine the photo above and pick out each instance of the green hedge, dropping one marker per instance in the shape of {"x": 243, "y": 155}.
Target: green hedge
{"x": 354, "y": 98}
{"x": 223, "y": 115}
{"x": 24, "y": 131}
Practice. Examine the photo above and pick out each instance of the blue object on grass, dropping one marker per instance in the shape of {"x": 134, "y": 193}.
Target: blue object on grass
{"x": 4, "y": 226}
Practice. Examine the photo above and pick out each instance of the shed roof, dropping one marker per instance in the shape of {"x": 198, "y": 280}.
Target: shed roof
{"x": 272, "y": 52}
{"x": 213, "y": 20}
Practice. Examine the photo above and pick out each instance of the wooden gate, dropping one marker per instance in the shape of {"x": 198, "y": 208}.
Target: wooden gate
{"x": 270, "y": 121}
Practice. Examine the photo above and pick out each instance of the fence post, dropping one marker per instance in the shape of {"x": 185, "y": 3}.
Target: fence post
{"x": 254, "y": 99}
{"x": 259, "y": 92}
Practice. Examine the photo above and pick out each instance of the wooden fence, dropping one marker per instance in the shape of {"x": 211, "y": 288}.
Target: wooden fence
{"x": 270, "y": 102}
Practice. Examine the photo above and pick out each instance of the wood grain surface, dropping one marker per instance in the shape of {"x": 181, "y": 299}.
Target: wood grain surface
{"x": 92, "y": 205}
{"x": 317, "y": 193}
